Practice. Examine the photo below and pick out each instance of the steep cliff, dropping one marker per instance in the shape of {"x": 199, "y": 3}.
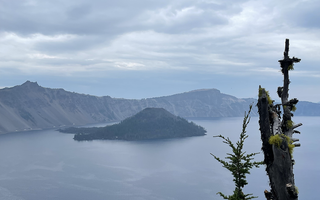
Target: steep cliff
{"x": 30, "y": 106}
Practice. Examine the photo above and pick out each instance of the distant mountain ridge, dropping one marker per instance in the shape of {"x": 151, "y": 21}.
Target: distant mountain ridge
{"x": 30, "y": 106}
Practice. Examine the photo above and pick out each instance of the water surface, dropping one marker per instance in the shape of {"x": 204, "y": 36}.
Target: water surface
{"x": 51, "y": 165}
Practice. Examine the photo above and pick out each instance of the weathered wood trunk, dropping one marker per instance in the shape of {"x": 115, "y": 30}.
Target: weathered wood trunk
{"x": 278, "y": 155}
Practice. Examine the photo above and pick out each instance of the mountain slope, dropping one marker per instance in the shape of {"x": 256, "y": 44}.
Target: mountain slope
{"x": 30, "y": 106}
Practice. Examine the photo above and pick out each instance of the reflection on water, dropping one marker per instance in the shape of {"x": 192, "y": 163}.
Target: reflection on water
{"x": 51, "y": 165}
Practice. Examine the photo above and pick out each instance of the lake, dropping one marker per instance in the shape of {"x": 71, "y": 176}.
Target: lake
{"x": 50, "y": 165}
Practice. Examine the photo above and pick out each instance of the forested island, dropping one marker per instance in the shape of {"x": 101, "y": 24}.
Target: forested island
{"x": 150, "y": 123}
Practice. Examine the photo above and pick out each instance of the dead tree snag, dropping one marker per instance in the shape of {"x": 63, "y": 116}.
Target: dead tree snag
{"x": 276, "y": 135}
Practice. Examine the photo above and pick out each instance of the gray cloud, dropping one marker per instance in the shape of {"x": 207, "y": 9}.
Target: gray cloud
{"x": 303, "y": 14}
{"x": 107, "y": 17}
{"x": 238, "y": 40}
{"x": 70, "y": 45}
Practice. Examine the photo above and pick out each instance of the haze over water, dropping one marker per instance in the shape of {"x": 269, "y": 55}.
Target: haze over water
{"x": 51, "y": 165}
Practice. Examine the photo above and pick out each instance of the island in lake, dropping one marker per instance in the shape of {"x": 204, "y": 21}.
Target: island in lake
{"x": 150, "y": 123}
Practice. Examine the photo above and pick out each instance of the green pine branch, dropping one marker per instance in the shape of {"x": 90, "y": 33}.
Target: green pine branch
{"x": 239, "y": 163}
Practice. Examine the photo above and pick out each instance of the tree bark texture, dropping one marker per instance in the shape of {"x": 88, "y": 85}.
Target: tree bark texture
{"x": 278, "y": 156}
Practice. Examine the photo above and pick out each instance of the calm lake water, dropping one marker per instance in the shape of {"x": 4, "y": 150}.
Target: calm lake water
{"x": 50, "y": 165}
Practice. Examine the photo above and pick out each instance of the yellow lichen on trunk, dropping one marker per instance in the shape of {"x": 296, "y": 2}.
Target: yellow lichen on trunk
{"x": 267, "y": 93}
{"x": 277, "y": 140}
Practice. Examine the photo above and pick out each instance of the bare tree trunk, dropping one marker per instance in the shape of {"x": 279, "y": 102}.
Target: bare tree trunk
{"x": 278, "y": 152}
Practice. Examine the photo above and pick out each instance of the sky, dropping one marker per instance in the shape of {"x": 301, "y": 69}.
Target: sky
{"x": 148, "y": 48}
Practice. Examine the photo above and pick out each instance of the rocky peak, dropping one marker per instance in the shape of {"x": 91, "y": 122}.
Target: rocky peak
{"x": 30, "y": 84}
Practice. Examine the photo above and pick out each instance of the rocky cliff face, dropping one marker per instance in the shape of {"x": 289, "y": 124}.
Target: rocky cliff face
{"x": 30, "y": 106}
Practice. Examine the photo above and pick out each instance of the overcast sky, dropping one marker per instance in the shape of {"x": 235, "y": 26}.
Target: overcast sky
{"x": 148, "y": 48}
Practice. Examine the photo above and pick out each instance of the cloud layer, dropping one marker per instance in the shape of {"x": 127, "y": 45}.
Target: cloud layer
{"x": 237, "y": 40}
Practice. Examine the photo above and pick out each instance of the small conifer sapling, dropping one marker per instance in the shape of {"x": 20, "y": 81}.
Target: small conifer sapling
{"x": 239, "y": 163}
